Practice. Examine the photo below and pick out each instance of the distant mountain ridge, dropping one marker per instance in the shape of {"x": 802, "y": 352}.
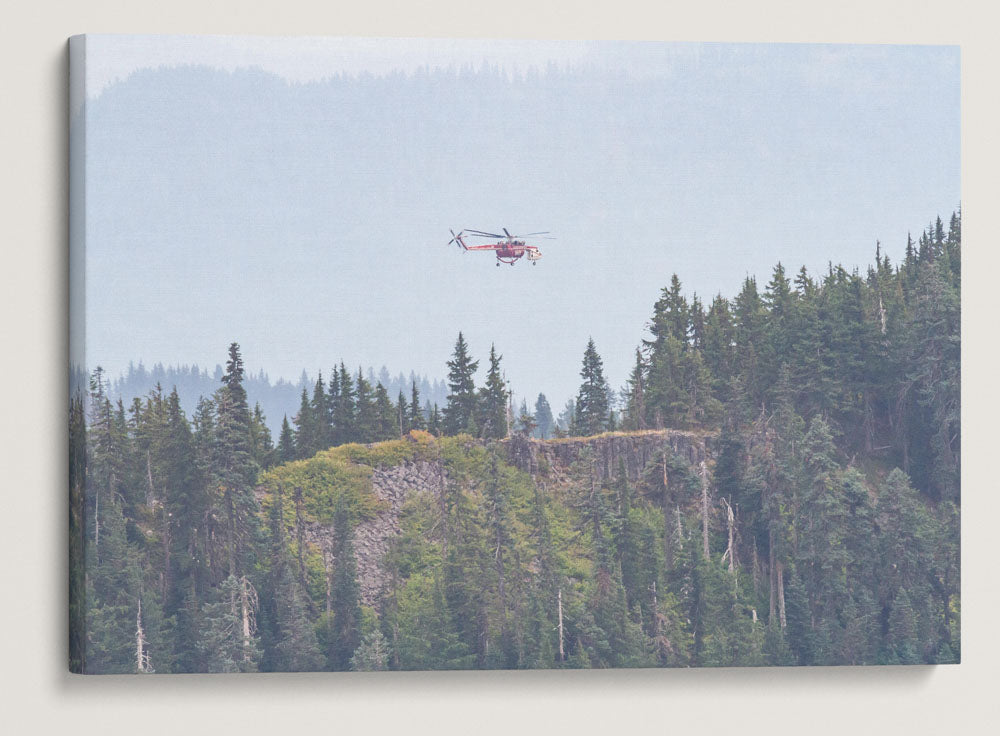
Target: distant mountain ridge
{"x": 278, "y": 399}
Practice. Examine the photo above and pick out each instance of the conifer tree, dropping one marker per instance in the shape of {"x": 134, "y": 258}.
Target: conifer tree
{"x": 332, "y": 402}
{"x": 185, "y": 504}
{"x": 461, "y": 407}
{"x": 234, "y": 473}
{"x": 233, "y": 466}
{"x": 749, "y": 333}
{"x": 671, "y": 317}
{"x": 222, "y": 643}
{"x": 498, "y": 523}
{"x": 320, "y": 416}
{"x": 294, "y": 647}
{"x": 106, "y": 464}
{"x": 592, "y": 402}
{"x": 435, "y": 425}
{"x": 635, "y": 396}
{"x": 627, "y": 543}
{"x": 366, "y": 420}
{"x": 525, "y": 423}
{"x": 345, "y": 412}
{"x": 402, "y": 414}
{"x": 113, "y": 593}
{"x": 304, "y": 436}
{"x": 286, "y": 443}
{"x": 543, "y": 418}
{"x": 386, "y": 416}
{"x": 717, "y": 347}
{"x": 493, "y": 401}
{"x": 428, "y": 638}
{"x": 415, "y": 419}
{"x": 373, "y": 653}
{"x": 344, "y": 591}
{"x": 262, "y": 447}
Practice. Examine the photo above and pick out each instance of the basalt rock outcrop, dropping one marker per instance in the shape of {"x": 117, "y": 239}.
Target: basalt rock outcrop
{"x": 634, "y": 449}
{"x": 393, "y": 485}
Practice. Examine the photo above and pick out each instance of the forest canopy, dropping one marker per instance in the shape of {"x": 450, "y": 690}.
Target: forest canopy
{"x": 789, "y": 494}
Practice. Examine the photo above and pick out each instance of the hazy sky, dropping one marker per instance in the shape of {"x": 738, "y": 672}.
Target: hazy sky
{"x": 295, "y": 195}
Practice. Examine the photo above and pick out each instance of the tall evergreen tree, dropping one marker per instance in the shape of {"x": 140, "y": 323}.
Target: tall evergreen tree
{"x": 286, "y": 443}
{"x": 261, "y": 445}
{"x": 435, "y": 424}
{"x": 344, "y": 591}
{"x": 294, "y": 647}
{"x": 321, "y": 416}
{"x": 386, "y": 416}
{"x": 366, "y": 421}
{"x": 402, "y": 414}
{"x": 415, "y": 419}
{"x": 592, "y": 407}
{"x": 493, "y": 400}
{"x": 345, "y": 411}
{"x": 544, "y": 420}
{"x": 305, "y": 445}
{"x": 234, "y": 475}
{"x": 458, "y": 414}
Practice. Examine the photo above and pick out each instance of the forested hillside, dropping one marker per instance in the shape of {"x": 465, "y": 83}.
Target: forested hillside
{"x": 778, "y": 483}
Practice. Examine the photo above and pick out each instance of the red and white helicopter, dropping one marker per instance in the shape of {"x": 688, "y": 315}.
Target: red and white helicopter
{"x": 509, "y": 248}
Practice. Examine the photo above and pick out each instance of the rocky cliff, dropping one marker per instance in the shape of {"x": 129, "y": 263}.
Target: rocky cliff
{"x": 394, "y": 482}
{"x": 635, "y": 449}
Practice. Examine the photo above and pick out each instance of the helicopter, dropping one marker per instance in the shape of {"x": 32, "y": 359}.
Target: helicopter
{"x": 509, "y": 248}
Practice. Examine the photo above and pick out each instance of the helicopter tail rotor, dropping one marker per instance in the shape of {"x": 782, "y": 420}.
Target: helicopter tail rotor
{"x": 457, "y": 239}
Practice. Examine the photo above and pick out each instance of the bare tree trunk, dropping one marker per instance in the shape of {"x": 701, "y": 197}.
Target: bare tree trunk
{"x": 730, "y": 523}
{"x": 781, "y": 594}
{"x": 562, "y": 653}
{"x": 245, "y": 615}
{"x": 248, "y": 606}
{"x": 142, "y": 661}
{"x": 680, "y": 529}
{"x": 704, "y": 509}
{"x": 150, "y": 495}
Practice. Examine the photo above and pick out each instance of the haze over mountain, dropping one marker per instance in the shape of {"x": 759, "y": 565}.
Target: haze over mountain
{"x": 308, "y": 220}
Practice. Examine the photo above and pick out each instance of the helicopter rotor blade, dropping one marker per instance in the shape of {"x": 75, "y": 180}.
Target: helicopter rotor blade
{"x": 507, "y": 233}
{"x": 528, "y": 235}
{"x": 481, "y": 234}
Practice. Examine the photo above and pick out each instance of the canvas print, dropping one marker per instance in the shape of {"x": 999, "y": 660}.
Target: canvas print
{"x": 419, "y": 354}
